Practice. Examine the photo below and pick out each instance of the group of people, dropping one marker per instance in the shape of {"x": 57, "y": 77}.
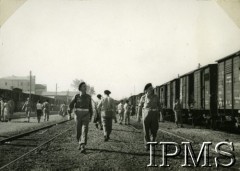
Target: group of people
{"x": 105, "y": 112}
{"x": 41, "y": 109}
{"x": 81, "y": 106}
{"x": 6, "y": 109}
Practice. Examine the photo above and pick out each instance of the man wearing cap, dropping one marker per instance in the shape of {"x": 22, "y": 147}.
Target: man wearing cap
{"x": 97, "y": 118}
{"x": 120, "y": 112}
{"x": 107, "y": 107}
{"x": 27, "y": 108}
{"x": 149, "y": 107}
{"x": 81, "y": 106}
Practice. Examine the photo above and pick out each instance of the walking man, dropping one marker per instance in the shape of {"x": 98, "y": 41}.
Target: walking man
{"x": 149, "y": 106}
{"x": 39, "y": 110}
{"x": 97, "y": 118}
{"x": 177, "y": 110}
{"x": 46, "y": 110}
{"x": 81, "y": 106}
{"x": 127, "y": 110}
{"x": 120, "y": 112}
{"x": 27, "y": 108}
{"x": 107, "y": 107}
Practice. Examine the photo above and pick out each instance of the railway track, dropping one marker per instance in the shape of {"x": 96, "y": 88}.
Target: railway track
{"x": 17, "y": 137}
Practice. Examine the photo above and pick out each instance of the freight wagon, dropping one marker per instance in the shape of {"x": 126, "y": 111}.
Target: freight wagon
{"x": 229, "y": 90}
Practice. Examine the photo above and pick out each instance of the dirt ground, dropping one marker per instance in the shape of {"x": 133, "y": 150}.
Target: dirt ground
{"x": 124, "y": 151}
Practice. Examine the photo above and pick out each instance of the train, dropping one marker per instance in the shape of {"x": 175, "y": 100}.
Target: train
{"x": 210, "y": 95}
{"x": 19, "y": 98}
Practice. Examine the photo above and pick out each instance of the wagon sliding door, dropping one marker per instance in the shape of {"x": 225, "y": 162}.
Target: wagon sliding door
{"x": 236, "y": 83}
{"x": 228, "y": 84}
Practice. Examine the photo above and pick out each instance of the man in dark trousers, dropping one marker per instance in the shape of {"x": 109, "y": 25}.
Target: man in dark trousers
{"x": 149, "y": 108}
{"x": 81, "y": 106}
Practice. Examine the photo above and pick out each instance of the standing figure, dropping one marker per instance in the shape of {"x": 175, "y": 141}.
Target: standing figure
{"x": 81, "y": 105}
{"x": 39, "y": 110}
{"x": 6, "y": 110}
{"x": 107, "y": 107}
{"x": 127, "y": 110}
{"x": 46, "y": 110}
{"x": 97, "y": 118}
{"x": 1, "y": 108}
{"x": 178, "y": 114}
{"x": 149, "y": 106}
{"x": 120, "y": 112}
{"x": 63, "y": 109}
{"x": 27, "y": 108}
{"x": 11, "y": 108}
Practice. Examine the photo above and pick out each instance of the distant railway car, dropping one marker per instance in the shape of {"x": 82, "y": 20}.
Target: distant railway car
{"x": 205, "y": 95}
{"x": 229, "y": 89}
{"x": 187, "y": 95}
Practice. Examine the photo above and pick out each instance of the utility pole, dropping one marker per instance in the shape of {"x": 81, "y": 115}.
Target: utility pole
{"x": 30, "y": 90}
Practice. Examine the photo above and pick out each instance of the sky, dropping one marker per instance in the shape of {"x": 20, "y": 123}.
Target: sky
{"x": 118, "y": 45}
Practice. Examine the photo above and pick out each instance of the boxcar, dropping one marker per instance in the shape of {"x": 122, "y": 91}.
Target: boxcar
{"x": 187, "y": 95}
{"x": 205, "y": 95}
{"x": 229, "y": 89}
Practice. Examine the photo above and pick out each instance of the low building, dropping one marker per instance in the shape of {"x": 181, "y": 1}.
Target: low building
{"x": 19, "y": 82}
{"x": 62, "y": 95}
{"x": 40, "y": 89}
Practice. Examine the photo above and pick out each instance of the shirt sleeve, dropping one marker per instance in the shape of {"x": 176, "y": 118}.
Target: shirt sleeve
{"x": 141, "y": 102}
{"x": 90, "y": 107}
{"x": 71, "y": 105}
{"x": 100, "y": 105}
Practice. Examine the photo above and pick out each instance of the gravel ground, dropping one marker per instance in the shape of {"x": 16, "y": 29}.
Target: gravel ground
{"x": 124, "y": 151}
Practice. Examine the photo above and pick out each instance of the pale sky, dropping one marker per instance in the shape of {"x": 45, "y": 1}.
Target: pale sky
{"x": 114, "y": 44}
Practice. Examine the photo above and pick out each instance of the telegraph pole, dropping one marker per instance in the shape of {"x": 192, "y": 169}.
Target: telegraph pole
{"x": 30, "y": 90}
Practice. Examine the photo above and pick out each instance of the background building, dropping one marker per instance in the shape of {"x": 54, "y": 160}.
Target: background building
{"x": 40, "y": 89}
{"x": 19, "y": 82}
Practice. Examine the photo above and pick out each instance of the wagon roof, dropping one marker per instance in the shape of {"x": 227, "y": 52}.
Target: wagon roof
{"x": 229, "y": 56}
{"x": 205, "y": 66}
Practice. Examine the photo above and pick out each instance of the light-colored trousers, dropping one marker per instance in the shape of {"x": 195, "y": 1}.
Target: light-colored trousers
{"x": 46, "y": 114}
{"x": 82, "y": 122}
{"x": 127, "y": 117}
{"x": 121, "y": 113}
{"x": 107, "y": 117}
{"x": 178, "y": 117}
{"x": 150, "y": 124}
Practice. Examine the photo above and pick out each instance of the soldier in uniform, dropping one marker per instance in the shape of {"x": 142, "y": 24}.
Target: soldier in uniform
{"x": 107, "y": 107}
{"x": 149, "y": 107}
{"x": 127, "y": 110}
{"x": 81, "y": 105}
{"x": 46, "y": 110}
{"x": 177, "y": 110}
{"x": 97, "y": 117}
{"x": 120, "y": 112}
{"x": 27, "y": 108}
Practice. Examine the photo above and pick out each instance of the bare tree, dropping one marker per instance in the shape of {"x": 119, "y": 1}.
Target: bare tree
{"x": 76, "y": 82}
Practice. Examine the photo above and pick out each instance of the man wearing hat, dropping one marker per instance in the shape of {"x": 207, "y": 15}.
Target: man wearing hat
{"x": 149, "y": 108}
{"x": 107, "y": 107}
{"x": 27, "y": 108}
{"x": 81, "y": 106}
{"x": 97, "y": 118}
